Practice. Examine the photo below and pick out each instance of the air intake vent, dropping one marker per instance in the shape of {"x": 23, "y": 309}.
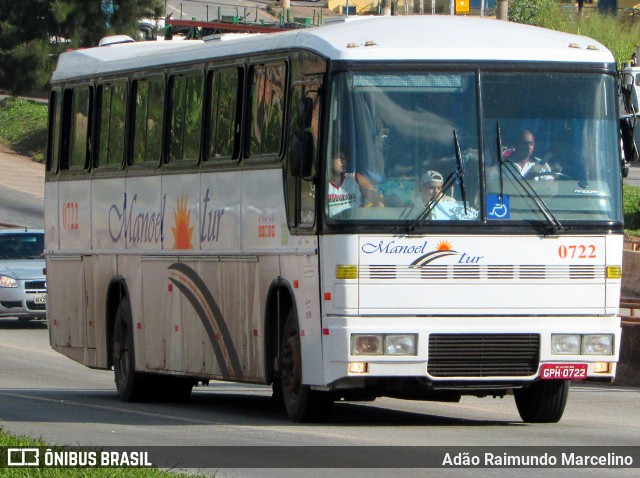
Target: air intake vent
{"x": 483, "y": 355}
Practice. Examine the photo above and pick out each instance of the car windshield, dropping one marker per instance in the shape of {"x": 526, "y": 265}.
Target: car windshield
{"x": 21, "y": 246}
{"x": 394, "y": 136}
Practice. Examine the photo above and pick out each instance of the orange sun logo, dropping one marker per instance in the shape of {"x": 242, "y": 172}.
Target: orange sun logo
{"x": 443, "y": 246}
{"x": 183, "y": 230}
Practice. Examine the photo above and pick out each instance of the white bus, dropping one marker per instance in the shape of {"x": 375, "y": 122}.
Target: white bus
{"x": 257, "y": 209}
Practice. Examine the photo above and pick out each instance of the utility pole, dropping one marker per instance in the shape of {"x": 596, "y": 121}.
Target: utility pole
{"x": 502, "y": 12}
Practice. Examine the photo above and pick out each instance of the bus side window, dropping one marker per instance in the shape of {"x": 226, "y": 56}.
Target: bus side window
{"x": 77, "y": 108}
{"x": 148, "y": 120}
{"x": 224, "y": 121}
{"x": 112, "y": 99}
{"x": 186, "y": 116}
{"x": 304, "y": 123}
{"x": 55, "y": 120}
{"x": 267, "y": 107}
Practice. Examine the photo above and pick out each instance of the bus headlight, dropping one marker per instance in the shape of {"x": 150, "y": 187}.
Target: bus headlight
{"x": 400, "y": 344}
{"x": 366, "y": 344}
{"x": 384, "y": 344}
{"x": 565, "y": 344}
{"x": 597, "y": 344}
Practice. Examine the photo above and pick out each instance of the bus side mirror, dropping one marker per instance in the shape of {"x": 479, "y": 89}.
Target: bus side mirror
{"x": 629, "y": 147}
{"x": 629, "y": 93}
{"x": 301, "y": 158}
{"x": 305, "y": 112}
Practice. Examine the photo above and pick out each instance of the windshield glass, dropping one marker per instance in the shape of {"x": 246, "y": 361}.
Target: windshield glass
{"x": 560, "y": 135}
{"x": 391, "y": 147}
{"x": 21, "y": 245}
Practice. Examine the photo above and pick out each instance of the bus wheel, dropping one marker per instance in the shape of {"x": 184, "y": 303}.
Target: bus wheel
{"x": 129, "y": 383}
{"x": 543, "y": 402}
{"x": 302, "y": 403}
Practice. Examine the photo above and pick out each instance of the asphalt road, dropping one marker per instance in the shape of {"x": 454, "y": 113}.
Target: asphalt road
{"x": 43, "y": 394}
{"x": 21, "y": 190}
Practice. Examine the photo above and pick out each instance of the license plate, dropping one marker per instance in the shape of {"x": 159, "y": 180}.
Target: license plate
{"x": 40, "y": 299}
{"x": 563, "y": 371}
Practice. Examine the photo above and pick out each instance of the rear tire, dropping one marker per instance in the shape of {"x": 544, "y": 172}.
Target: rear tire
{"x": 131, "y": 385}
{"x": 302, "y": 403}
{"x": 542, "y": 402}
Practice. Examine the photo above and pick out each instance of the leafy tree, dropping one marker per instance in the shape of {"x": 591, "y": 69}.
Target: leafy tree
{"x": 34, "y": 32}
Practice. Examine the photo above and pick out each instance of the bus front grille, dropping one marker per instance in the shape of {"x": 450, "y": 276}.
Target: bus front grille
{"x": 483, "y": 355}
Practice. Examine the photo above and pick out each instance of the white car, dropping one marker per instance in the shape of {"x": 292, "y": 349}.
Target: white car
{"x": 23, "y": 286}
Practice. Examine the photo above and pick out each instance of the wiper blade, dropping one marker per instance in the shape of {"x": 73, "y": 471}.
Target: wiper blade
{"x": 463, "y": 193}
{"x": 500, "y": 162}
{"x": 554, "y": 225}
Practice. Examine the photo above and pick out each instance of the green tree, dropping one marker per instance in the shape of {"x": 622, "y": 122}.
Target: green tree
{"x": 34, "y": 32}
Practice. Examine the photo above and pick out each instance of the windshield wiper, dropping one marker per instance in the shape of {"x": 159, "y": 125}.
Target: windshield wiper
{"x": 458, "y": 174}
{"x": 460, "y": 171}
{"x": 554, "y": 225}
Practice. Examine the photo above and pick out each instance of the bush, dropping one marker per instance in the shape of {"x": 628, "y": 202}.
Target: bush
{"x": 631, "y": 209}
{"x": 533, "y": 12}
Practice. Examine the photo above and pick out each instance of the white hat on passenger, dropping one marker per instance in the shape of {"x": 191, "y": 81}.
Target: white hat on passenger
{"x": 431, "y": 177}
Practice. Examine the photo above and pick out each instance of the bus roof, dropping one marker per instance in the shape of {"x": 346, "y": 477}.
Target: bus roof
{"x": 428, "y": 37}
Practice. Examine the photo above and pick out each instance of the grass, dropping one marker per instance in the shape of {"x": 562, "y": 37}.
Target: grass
{"x": 8, "y": 440}
{"x": 23, "y": 126}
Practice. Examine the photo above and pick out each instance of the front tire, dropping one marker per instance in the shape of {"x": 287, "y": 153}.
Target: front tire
{"x": 302, "y": 403}
{"x": 542, "y": 402}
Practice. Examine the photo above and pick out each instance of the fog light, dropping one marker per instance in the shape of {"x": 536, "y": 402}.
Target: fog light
{"x": 357, "y": 367}
{"x": 602, "y": 367}
{"x": 400, "y": 344}
{"x": 368, "y": 344}
{"x": 600, "y": 344}
{"x": 565, "y": 344}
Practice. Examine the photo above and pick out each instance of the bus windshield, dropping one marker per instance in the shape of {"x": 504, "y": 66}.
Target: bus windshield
{"x": 406, "y": 147}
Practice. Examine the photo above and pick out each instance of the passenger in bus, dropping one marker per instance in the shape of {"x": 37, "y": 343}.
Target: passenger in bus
{"x": 521, "y": 156}
{"x": 346, "y": 190}
{"x": 446, "y": 208}
{"x": 431, "y": 184}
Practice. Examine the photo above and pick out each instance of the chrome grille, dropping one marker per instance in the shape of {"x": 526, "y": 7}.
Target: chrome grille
{"x": 483, "y": 355}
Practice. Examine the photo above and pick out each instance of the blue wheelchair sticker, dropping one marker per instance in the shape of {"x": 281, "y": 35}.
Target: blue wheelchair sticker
{"x": 496, "y": 208}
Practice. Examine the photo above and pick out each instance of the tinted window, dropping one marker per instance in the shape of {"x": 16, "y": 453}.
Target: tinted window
{"x": 186, "y": 116}
{"x": 79, "y": 128}
{"x": 113, "y": 101}
{"x": 223, "y": 120}
{"x": 267, "y": 105}
{"x": 149, "y": 107}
